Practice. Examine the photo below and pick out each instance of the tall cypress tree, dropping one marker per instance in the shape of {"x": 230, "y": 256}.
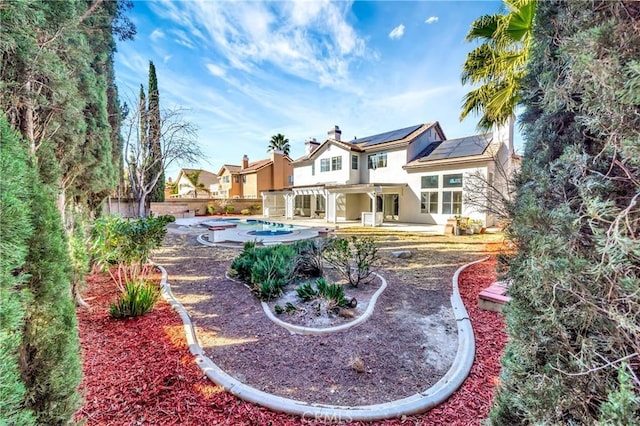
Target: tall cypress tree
{"x": 15, "y": 230}
{"x": 155, "y": 149}
{"x": 573, "y": 319}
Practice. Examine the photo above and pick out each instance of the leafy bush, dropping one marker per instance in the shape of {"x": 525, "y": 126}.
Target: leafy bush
{"x": 138, "y": 298}
{"x": 352, "y": 258}
{"x": 279, "y": 309}
{"x": 211, "y": 209}
{"x": 229, "y": 209}
{"x": 306, "y": 292}
{"x": 242, "y": 264}
{"x": 271, "y": 270}
{"x": 245, "y": 211}
{"x": 623, "y": 403}
{"x": 126, "y": 243}
{"x": 290, "y": 308}
{"x": 267, "y": 269}
{"x": 332, "y": 293}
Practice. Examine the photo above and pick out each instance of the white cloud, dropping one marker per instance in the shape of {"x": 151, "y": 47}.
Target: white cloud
{"x": 397, "y": 32}
{"x": 182, "y": 38}
{"x": 309, "y": 40}
{"x": 166, "y": 58}
{"x": 156, "y": 35}
{"x": 431, "y": 20}
{"x": 216, "y": 70}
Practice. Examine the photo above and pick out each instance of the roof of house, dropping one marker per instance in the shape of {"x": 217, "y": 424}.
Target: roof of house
{"x": 206, "y": 177}
{"x": 251, "y": 167}
{"x": 390, "y": 139}
{"x": 468, "y": 147}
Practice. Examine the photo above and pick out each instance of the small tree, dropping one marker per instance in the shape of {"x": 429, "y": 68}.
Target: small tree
{"x": 492, "y": 192}
{"x": 177, "y": 142}
{"x": 194, "y": 179}
{"x": 352, "y": 258}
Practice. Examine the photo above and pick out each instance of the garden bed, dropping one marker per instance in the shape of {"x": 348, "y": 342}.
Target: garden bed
{"x": 405, "y": 347}
{"x": 140, "y": 371}
{"x": 314, "y": 314}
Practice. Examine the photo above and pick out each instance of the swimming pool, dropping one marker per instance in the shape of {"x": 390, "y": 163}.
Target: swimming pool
{"x": 240, "y": 230}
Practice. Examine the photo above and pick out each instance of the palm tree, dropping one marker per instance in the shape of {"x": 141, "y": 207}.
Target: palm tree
{"x": 194, "y": 179}
{"x": 499, "y": 63}
{"x": 279, "y": 143}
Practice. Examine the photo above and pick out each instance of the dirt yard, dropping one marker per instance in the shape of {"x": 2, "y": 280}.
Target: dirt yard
{"x": 406, "y": 346}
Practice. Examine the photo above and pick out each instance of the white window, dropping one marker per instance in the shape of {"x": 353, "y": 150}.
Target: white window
{"x": 429, "y": 182}
{"x": 354, "y": 162}
{"x": 452, "y": 181}
{"x": 429, "y": 202}
{"x": 452, "y": 202}
{"x": 325, "y": 165}
{"x": 375, "y": 161}
{"x": 336, "y": 163}
{"x": 303, "y": 202}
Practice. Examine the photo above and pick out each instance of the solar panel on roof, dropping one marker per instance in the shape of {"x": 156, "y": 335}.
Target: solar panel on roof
{"x": 463, "y": 147}
{"x": 391, "y": 136}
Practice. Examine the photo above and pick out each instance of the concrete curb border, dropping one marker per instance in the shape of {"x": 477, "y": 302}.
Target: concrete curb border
{"x": 414, "y": 404}
{"x": 298, "y": 329}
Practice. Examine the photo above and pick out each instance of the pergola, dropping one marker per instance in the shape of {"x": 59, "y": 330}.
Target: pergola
{"x": 282, "y": 203}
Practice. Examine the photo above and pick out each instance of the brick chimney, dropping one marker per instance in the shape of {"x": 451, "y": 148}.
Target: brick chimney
{"x": 245, "y": 161}
{"x": 335, "y": 133}
{"x": 278, "y": 178}
{"x": 311, "y": 145}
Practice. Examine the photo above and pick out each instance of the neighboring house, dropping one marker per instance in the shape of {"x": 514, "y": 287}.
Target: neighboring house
{"x": 186, "y": 188}
{"x": 412, "y": 174}
{"x": 249, "y": 180}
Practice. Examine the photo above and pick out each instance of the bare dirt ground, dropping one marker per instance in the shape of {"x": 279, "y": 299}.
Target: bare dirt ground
{"x": 406, "y": 346}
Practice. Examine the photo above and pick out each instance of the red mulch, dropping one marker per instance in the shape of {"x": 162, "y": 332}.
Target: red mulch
{"x": 139, "y": 371}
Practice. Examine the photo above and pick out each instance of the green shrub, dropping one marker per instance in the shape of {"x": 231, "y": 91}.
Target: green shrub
{"x": 332, "y": 293}
{"x": 306, "y": 292}
{"x": 290, "y": 308}
{"x": 271, "y": 270}
{"x": 126, "y": 243}
{"x": 211, "y": 209}
{"x": 622, "y": 404}
{"x": 242, "y": 264}
{"x": 245, "y": 211}
{"x": 138, "y": 298}
{"x": 229, "y": 209}
{"x": 279, "y": 309}
{"x": 353, "y": 258}
{"x": 267, "y": 269}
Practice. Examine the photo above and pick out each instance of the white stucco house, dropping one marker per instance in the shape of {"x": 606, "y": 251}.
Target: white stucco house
{"x": 414, "y": 174}
{"x": 208, "y": 184}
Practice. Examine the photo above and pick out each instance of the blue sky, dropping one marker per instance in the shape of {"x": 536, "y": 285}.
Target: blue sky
{"x": 247, "y": 70}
